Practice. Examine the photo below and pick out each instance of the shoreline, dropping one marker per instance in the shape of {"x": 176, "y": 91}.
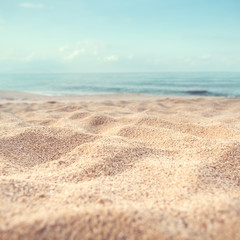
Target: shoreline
{"x": 6, "y": 95}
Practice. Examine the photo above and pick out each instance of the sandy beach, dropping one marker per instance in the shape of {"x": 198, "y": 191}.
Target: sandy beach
{"x": 119, "y": 167}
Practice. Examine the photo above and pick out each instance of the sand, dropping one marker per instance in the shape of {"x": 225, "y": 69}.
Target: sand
{"x": 119, "y": 167}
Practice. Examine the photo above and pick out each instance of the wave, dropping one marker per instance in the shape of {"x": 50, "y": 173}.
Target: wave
{"x": 168, "y": 84}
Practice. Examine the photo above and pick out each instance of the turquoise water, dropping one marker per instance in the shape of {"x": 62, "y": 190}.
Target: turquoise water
{"x": 172, "y": 84}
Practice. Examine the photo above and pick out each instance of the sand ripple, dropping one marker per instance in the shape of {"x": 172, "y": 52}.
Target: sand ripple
{"x": 120, "y": 168}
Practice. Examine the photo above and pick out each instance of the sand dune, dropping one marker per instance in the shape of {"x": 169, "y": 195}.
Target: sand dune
{"x": 119, "y": 167}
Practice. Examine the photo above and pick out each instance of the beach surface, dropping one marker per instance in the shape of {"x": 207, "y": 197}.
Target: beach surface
{"x": 119, "y": 167}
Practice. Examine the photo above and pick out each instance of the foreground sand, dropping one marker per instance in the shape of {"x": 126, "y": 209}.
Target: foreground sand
{"x": 119, "y": 167}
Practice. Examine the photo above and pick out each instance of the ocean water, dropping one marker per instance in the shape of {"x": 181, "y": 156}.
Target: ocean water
{"x": 171, "y": 84}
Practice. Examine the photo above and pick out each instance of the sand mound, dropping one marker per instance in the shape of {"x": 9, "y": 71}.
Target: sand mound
{"x": 39, "y": 145}
{"x": 120, "y": 167}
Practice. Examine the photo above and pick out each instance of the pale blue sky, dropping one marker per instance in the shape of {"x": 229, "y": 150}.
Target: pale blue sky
{"x": 52, "y": 36}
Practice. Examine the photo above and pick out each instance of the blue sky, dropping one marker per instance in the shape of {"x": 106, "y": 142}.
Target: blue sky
{"x": 54, "y": 36}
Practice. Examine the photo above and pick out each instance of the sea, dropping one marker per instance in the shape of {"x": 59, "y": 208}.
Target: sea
{"x": 225, "y": 84}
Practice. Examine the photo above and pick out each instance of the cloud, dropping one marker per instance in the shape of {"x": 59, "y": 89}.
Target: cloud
{"x": 112, "y": 58}
{"x": 63, "y": 48}
{"x": 14, "y": 58}
{"x": 82, "y": 50}
{"x": 206, "y": 56}
{"x": 95, "y": 52}
{"x": 89, "y": 48}
{"x": 130, "y": 56}
{"x": 30, "y": 5}
{"x": 29, "y": 58}
{"x": 199, "y": 60}
{"x": 73, "y": 55}
{"x": 188, "y": 60}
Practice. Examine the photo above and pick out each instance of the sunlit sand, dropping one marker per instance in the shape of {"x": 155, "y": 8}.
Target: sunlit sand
{"x": 119, "y": 167}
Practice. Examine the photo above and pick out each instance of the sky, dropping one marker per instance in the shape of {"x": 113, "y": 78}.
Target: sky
{"x": 71, "y": 36}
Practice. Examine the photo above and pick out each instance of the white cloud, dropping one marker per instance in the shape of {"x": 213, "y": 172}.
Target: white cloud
{"x": 18, "y": 58}
{"x": 85, "y": 43}
{"x": 154, "y": 61}
{"x": 63, "y": 48}
{"x": 112, "y": 58}
{"x": 130, "y": 56}
{"x": 86, "y": 47}
{"x": 73, "y": 54}
{"x": 206, "y": 56}
{"x": 199, "y": 60}
{"x": 82, "y": 50}
{"x": 29, "y": 58}
{"x": 95, "y": 52}
{"x": 89, "y": 46}
{"x": 188, "y": 60}
{"x": 31, "y": 5}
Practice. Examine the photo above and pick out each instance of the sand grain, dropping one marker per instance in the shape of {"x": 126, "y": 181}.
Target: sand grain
{"x": 119, "y": 167}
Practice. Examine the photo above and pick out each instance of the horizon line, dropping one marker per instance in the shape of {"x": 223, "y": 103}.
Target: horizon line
{"x": 122, "y": 72}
